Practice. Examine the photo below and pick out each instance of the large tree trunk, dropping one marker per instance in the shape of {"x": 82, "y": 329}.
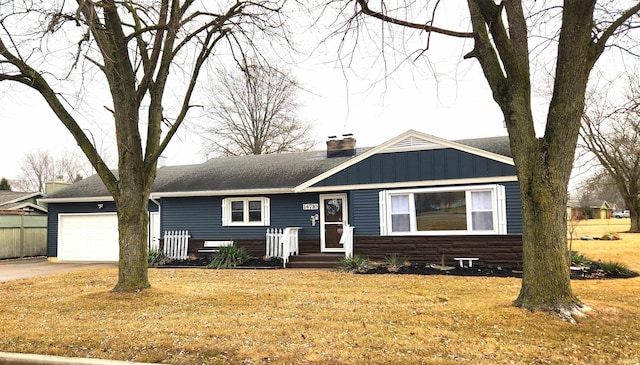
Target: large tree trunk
{"x": 633, "y": 214}
{"x": 544, "y": 164}
{"x": 545, "y": 281}
{"x": 133, "y": 220}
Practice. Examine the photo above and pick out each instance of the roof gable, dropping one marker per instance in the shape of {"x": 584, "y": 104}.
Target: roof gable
{"x": 15, "y": 200}
{"x": 413, "y": 140}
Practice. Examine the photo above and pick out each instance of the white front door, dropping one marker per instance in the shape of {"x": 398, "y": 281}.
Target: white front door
{"x": 333, "y": 220}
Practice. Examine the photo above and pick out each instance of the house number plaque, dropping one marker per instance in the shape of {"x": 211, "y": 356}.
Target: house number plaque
{"x": 310, "y": 206}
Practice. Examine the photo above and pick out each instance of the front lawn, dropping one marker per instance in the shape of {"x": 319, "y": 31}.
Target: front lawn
{"x": 200, "y": 316}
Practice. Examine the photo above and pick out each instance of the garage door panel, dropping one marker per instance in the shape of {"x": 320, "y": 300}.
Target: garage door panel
{"x": 88, "y": 237}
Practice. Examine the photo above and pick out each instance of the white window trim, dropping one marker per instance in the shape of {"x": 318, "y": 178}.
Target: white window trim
{"x": 265, "y": 213}
{"x": 498, "y": 202}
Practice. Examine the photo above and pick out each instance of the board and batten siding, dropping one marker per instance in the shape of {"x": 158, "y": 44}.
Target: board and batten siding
{"x": 202, "y": 216}
{"x": 441, "y": 164}
{"x": 80, "y": 208}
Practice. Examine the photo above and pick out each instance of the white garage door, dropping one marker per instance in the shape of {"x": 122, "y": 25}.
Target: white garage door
{"x": 88, "y": 237}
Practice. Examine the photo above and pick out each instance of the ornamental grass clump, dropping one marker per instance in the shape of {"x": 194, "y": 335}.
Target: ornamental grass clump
{"x": 615, "y": 269}
{"x": 353, "y": 264}
{"x": 395, "y": 262}
{"x": 157, "y": 258}
{"x": 228, "y": 257}
{"x": 579, "y": 259}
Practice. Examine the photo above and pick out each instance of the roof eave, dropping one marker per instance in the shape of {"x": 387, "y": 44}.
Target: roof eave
{"x": 181, "y": 194}
{"x": 88, "y": 199}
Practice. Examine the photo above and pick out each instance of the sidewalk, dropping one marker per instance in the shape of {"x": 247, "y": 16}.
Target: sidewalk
{"x": 8, "y": 358}
{"x": 39, "y": 266}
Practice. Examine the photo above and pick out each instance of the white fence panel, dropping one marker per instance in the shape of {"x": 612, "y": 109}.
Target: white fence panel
{"x": 176, "y": 244}
{"x": 274, "y": 242}
{"x": 282, "y": 243}
{"x": 347, "y": 241}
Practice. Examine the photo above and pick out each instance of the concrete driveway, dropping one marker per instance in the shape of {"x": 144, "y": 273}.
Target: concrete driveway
{"x": 29, "y": 268}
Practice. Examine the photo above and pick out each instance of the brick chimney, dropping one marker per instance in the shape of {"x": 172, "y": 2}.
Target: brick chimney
{"x": 344, "y": 147}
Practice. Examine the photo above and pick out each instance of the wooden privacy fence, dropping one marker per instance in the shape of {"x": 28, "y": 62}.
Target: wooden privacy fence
{"x": 23, "y": 236}
{"x": 176, "y": 244}
{"x": 282, "y": 243}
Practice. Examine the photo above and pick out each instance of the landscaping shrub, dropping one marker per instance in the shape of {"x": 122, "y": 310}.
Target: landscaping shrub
{"x": 157, "y": 258}
{"x": 395, "y": 261}
{"x": 579, "y": 259}
{"x": 353, "y": 264}
{"x": 615, "y": 269}
{"x": 228, "y": 257}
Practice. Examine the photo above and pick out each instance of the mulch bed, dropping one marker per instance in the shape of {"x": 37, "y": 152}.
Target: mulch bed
{"x": 252, "y": 263}
{"x": 594, "y": 272}
{"x": 421, "y": 269}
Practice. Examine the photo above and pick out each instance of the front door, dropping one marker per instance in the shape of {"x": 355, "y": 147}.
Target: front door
{"x": 333, "y": 220}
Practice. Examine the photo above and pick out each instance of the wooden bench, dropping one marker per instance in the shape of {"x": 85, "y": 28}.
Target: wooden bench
{"x": 214, "y": 246}
{"x": 470, "y": 260}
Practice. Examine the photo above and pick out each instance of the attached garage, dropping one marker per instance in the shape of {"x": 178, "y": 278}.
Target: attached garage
{"x": 88, "y": 237}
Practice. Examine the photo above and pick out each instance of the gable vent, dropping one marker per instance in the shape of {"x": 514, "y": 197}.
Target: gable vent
{"x": 413, "y": 142}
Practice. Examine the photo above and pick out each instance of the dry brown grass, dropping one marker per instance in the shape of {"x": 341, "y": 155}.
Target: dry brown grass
{"x": 627, "y": 250}
{"x": 195, "y": 316}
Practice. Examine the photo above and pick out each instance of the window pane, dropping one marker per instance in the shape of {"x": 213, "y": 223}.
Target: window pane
{"x": 400, "y": 215}
{"x": 255, "y": 211}
{"x": 482, "y": 221}
{"x": 399, "y": 204}
{"x": 237, "y": 211}
{"x": 480, "y": 200}
{"x": 445, "y": 211}
{"x": 400, "y": 223}
{"x": 333, "y": 210}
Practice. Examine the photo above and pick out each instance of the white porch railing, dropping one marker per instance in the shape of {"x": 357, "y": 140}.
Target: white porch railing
{"x": 282, "y": 243}
{"x": 346, "y": 240}
{"x": 176, "y": 244}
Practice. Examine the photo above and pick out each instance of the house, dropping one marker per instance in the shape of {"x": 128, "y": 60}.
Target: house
{"x": 23, "y": 224}
{"x": 16, "y": 203}
{"x": 416, "y": 195}
{"x": 590, "y": 210}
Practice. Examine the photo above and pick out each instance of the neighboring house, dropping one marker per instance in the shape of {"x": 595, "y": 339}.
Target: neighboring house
{"x": 416, "y": 195}
{"x": 594, "y": 210}
{"x": 23, "y": 224}
{"x": 14, "y": 202}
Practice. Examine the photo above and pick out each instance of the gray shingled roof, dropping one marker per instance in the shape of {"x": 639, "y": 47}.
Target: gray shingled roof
{"x": 259, "y": 172}
{"x": 499, "y": 145}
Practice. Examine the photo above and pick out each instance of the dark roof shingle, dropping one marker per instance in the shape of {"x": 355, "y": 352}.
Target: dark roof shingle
{"x": 254, "y": 172}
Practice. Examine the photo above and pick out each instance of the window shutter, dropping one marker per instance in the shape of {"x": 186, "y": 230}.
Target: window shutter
{"x": 224, "y": 211}
{"x": 267, "y": 211}
{"x": 382, "y": 198}
{"x": 502, "y": 209}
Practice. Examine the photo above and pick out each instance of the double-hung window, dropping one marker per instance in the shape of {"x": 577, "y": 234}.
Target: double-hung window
{"x": 450, "y": 210}
{"x": 245, "y": 211}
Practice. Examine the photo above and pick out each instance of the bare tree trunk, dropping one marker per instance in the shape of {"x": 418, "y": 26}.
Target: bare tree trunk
{"x": 133, "y": 221}
{"x": 545, "y": 281}
{"x": 635, "y": 222}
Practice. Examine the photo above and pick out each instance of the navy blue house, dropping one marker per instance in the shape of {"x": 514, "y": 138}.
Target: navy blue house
{"x": 416, "y": 195}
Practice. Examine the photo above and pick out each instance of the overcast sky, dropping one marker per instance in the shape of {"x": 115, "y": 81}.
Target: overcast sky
{"x": 442, "y": 96}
